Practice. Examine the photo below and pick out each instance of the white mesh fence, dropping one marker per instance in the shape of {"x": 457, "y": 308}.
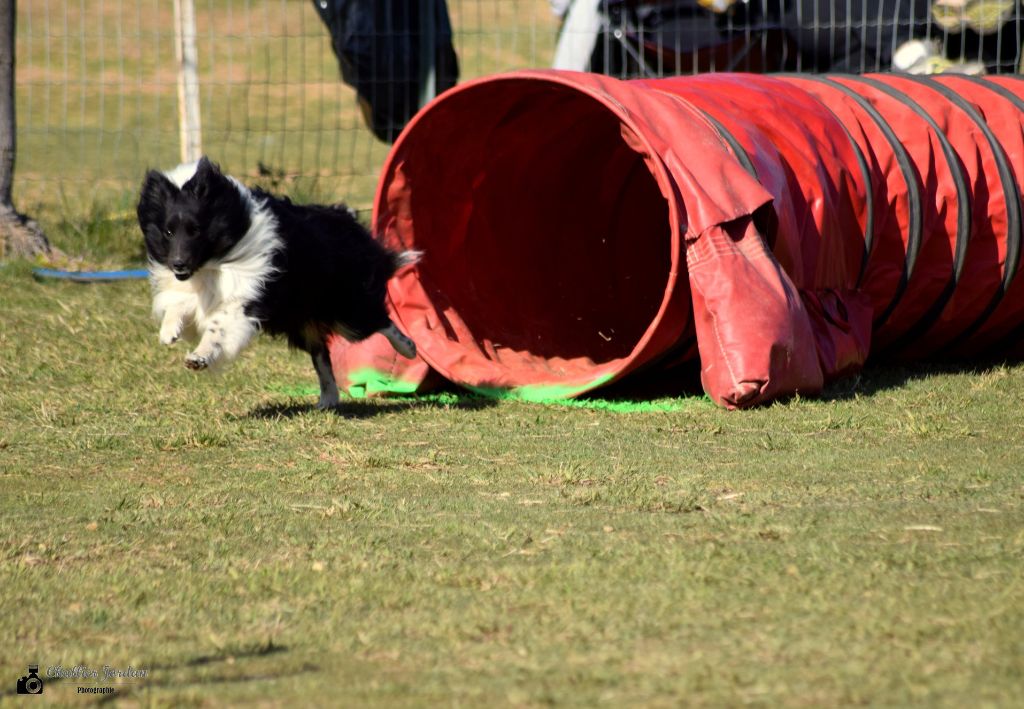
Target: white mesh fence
{"x": 97, "y": 80}
{"x": 97, "y": 98}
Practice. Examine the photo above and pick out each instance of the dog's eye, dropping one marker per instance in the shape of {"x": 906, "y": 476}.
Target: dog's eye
{"x": 168, "y": 233}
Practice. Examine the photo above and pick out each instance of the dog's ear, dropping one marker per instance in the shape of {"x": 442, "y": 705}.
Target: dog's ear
{"x": 223, "y": 209}
{"x": 206, "y": 167}
{"x": 208, "y": 181}
{"x": 156, "y": 191}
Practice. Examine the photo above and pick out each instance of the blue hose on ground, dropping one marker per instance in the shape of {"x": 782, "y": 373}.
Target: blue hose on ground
{"x": 91, "y": 276}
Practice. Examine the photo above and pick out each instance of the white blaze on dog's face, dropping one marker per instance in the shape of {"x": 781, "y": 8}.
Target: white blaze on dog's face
{"x": 185, "y": 226}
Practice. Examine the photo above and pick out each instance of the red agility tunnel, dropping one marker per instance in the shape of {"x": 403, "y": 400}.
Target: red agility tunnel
{"x": 577, "y": 228}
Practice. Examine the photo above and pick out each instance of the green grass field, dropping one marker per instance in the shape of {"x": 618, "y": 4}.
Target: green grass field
{"x": 864, "y": 548}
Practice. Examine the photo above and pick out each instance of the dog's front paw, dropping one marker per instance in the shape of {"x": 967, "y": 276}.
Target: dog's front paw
{"x": 169, "y": 335}
{"x": 196, "y": 362}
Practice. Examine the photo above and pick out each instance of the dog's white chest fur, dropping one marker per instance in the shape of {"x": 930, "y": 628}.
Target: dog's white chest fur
{"x": 208, "y": 291}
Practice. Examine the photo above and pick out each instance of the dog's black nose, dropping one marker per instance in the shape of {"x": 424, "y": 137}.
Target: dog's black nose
{"x": 181, "y": 270}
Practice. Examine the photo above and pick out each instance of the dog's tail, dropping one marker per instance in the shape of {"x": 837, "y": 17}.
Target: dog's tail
{"x": 402, "y": 343}
{"x": 407, "y": 258}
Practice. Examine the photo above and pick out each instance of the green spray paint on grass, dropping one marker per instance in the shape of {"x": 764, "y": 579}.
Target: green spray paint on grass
{"x": 627, "y": 406}
{"x": 565, "y": 395}
{"x": 367, "y": 382}
{"x": 542, "y": 393}
{"x": 361, "y": 384}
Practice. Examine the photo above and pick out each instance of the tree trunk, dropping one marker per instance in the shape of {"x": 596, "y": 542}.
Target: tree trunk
{"x": 19, "y": 235}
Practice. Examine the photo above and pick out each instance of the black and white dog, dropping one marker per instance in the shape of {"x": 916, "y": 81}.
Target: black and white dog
{"x": 227, "y": 262}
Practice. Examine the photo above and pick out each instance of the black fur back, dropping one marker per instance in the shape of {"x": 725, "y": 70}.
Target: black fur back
{"x": 330, "y": 274}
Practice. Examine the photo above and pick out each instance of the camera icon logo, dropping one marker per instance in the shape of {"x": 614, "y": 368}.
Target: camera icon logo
{"x": 31, "y": 683}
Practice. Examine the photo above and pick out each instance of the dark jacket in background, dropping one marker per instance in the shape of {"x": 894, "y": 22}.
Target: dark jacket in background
{"x": 378, "y": 45}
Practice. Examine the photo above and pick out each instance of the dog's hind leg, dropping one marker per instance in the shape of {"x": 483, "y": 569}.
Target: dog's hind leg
{"x": 403, "y": 345}
{"x": 329, "y": 397}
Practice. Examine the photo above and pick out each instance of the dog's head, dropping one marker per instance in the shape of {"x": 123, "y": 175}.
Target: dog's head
{"x": 188, "y": 226}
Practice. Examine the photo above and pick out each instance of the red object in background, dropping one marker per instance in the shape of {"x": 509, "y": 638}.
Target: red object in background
{"x": 577, "y": 228}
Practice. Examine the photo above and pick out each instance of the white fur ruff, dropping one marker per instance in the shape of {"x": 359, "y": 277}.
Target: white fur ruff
{"x": 210, "y": 306}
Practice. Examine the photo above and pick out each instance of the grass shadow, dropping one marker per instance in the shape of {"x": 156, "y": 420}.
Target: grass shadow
{"x": 155, "y": 681}
{"x": 681, "y": 383}
{"x": 270, "y": 648}
{"x": 880, "y": 376}
{"x": 230, "y": 658}
{"x": 676, "y": 382}
{"x": 877, "y": 376}
{"x": 358, "y": 409}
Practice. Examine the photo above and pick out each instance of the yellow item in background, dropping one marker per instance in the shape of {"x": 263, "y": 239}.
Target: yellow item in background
{"x": 920, "y": 56}
{"x": 716, "y": 6}
{"x": 982, "y": 16}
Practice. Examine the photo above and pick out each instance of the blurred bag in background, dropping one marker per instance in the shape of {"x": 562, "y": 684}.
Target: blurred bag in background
{"x": 630, "y": 38}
